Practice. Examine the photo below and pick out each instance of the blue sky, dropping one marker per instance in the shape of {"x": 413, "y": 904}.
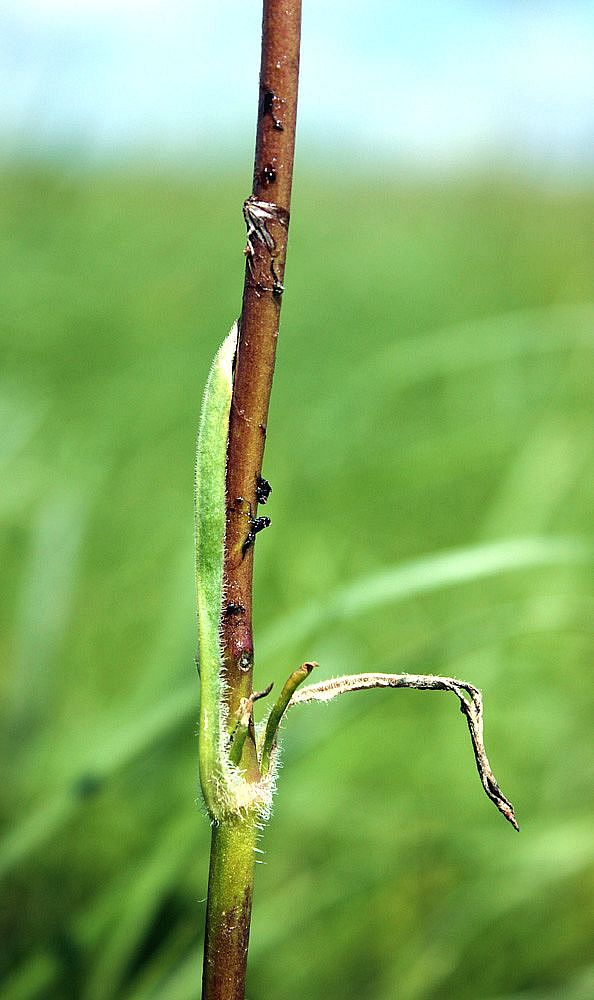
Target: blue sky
{"x": 435, "y": 83}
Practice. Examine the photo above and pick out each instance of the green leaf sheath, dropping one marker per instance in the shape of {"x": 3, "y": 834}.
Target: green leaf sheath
{"x": 211, "y": 461}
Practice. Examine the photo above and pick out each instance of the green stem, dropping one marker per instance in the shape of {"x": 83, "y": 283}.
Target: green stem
{"x": 228, "y": 909}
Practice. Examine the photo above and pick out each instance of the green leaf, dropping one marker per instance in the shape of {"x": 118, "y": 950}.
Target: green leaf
{"x": 211, "y": 459}
{"x": 225, "y": 791}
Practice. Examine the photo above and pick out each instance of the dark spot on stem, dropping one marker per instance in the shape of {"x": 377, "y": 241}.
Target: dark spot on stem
{"x": 268, "y": 99}
{"x": 257, "y": 524}
{"x": 234, "y": 609}
{"x": 268, "y": 174}
{"x": 267, "y": 102}
{"x": 244, "y": 662}
{"x": 263, "y": 490}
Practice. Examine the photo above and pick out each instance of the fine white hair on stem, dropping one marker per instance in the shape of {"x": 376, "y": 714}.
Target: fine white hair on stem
{"x": 471, "y": 705}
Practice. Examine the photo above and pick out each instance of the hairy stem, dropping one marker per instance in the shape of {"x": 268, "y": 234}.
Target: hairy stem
{"x": 267, "y": 219}
{"x": 266, "y": 214}
{"x": 229, "y": 910}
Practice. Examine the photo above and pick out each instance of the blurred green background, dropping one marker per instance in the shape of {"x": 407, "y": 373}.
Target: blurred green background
{"x": 431, "y": 455}
{"x": 432, "y": 396}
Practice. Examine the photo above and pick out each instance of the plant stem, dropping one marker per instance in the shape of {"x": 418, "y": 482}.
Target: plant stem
{"x": 267, "y": 217}
{"x": 229, "y": 910}
{"x": 265, "y": 266}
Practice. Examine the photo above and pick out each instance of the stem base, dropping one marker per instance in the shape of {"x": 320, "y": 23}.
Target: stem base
{"x": 229, "y": 909}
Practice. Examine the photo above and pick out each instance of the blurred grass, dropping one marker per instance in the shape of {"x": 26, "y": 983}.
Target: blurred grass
{"x": 433, "y": 397}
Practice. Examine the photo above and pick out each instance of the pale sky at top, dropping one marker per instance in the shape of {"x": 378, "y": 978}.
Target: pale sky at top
{"x": 434, "y": 82}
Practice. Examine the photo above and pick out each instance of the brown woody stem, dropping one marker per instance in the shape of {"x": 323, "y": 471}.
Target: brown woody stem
{"x": 266, "y": 214}
{"x": 267, "y": 219}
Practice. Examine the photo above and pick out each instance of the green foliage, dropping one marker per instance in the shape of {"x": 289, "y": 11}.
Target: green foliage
{"x": 431, "y": 403}
{"x": 221, "y": 784}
